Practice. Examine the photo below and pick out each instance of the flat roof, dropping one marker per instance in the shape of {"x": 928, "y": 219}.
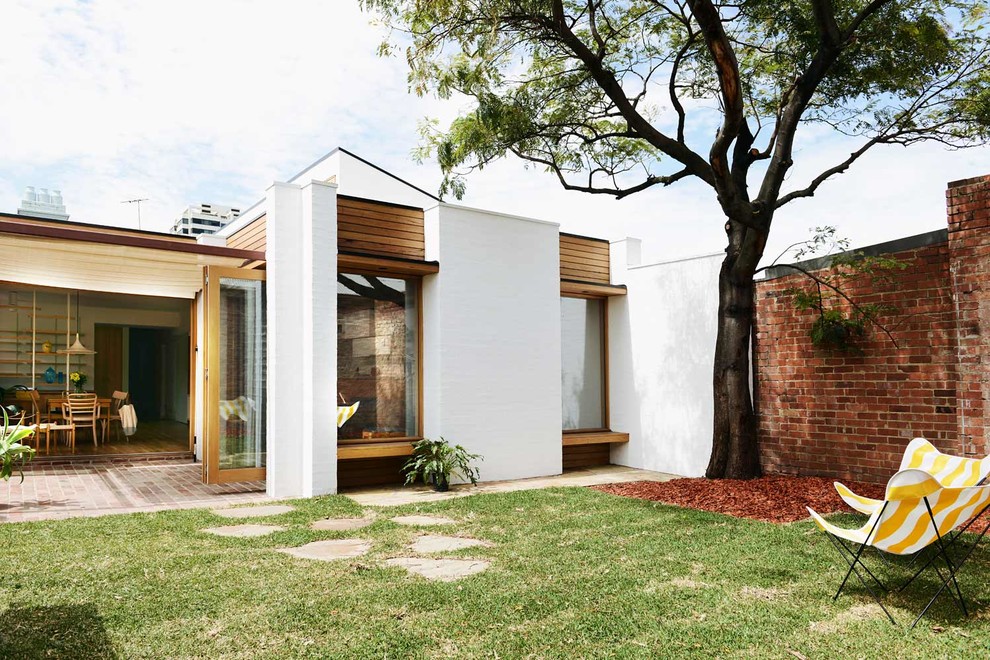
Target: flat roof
{"x": 24, "y": 225}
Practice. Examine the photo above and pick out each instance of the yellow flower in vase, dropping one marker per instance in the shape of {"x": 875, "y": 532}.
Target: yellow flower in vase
{"x": 78, "y": 380}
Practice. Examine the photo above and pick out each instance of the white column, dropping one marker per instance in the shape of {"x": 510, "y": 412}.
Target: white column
{"x": 302, "y": 356}
{"x": 624, "y": 254}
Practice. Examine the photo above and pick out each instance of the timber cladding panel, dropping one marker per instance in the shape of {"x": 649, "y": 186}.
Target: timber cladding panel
{"x": 584, "y": 259}
{"x": 250, "y": 237}
{"x": 363, "y": 227}
{"x": 385, "y": 230}
{"x": 579, "y": 456}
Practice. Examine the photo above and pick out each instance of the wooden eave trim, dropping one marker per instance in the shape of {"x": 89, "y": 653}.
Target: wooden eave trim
{"x": 378, "y": 202}
{"x": 594, "y": 438}
{"x": 585, "y": 238}
{"x": 594, "y": 289}
{"x": 375, "y": 450}
{"x": 127, "y": 240}
{"x": 348, "y": 262}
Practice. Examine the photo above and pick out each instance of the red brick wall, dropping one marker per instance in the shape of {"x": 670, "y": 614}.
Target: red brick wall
{"x": 850, "y": 416}
{"x": 968, "y": 203}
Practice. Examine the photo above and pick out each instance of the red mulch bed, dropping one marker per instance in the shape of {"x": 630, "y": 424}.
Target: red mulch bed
{"x": 771, "y": 499}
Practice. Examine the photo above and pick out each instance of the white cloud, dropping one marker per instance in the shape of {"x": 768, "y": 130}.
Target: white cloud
{"x": 187, "y": 101}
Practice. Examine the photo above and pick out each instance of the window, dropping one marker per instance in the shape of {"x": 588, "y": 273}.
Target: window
{"x": 582, "y": 377}
{"x": 378, "y": 356}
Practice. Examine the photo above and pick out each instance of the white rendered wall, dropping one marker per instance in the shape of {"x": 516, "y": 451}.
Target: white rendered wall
{"x": 491, "y": 361}
{"x": 661, "y": 350}
{"x": 301, "y": 324}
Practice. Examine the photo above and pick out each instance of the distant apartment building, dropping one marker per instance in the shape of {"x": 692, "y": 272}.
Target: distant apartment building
{"x": 204, "y": 219}
{"x": 43, "y": 204}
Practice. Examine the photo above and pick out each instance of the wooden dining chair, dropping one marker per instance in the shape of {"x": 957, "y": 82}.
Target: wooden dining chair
{"x": 39, "y": 419}
{"x": 117, "y": 399}
{"x": 82, "y": 410}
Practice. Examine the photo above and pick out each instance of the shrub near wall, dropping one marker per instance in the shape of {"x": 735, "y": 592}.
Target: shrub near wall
{"x": 850, "y": 416}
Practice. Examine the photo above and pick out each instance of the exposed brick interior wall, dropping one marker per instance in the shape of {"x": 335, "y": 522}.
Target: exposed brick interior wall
{"x": 371, "y": 366}
{"x": 850, "y": 416}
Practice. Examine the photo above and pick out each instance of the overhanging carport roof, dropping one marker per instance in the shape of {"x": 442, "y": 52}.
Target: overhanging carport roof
{"x": 75, "y": 256}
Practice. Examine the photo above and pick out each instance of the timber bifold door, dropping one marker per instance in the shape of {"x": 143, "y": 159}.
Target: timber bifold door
{"x": 235, "y": 447}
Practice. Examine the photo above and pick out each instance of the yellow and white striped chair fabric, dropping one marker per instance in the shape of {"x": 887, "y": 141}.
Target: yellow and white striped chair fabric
{"x": 902, "y": 524}
{"x": 949, "y": 471}
{"x": 240, "y": 408}
{"x": 344, "y": 413}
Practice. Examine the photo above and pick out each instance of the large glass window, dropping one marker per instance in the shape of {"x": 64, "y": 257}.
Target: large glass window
{"x": 242, "y": 374}
{"x": 582, "y": 324}
{"x": 378, "y": 356}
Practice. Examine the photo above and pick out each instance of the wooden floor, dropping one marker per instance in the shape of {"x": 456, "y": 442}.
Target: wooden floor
{"x": 151, "y": 437}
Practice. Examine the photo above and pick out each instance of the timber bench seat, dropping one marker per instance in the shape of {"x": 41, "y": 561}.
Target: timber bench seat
{"x": 595, "y": 438}
{"x": 361, "y": 450}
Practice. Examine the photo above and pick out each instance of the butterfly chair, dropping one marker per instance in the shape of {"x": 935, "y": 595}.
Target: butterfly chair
{"x": 344, "y": 413}
{"x": 951, "y": 471}
{"x": 240, "y": 408}
{"x": 917, "y": 512}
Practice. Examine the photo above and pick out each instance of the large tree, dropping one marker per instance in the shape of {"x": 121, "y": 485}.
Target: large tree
{"x": 614, "y": 97}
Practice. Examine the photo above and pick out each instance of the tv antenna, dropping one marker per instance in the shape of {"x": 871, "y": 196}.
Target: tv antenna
{"x": 138, "y": 202}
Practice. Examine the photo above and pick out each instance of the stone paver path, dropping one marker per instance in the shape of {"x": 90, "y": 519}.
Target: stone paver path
{"x": 254, "y": 511}
{"x": 330, "y": 550}
{"x": 243, "y": 531}
{"x": 423, "y": 521}
{"x": 444, "y": 570}
{"x": 432, "y": 543}
{"x": 340, "y": 524}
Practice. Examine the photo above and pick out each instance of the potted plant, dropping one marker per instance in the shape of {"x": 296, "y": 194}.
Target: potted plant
{"x": 12, "y": 452}
{"x": 434, "y": 461}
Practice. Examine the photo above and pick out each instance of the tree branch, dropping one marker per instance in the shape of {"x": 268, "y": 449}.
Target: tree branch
{"x": 825, "y": 19}
{"x": 818, "y": 180}
{"x": 616, "y": 192}
{"x": 842, "y": 294}
{"x": 608, "y": 83}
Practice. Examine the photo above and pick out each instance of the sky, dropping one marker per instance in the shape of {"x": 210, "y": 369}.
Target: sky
{"x": 187, "y": 102}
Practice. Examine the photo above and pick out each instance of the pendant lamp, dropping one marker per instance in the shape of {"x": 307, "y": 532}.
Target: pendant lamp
{"x": 77, "y": 347}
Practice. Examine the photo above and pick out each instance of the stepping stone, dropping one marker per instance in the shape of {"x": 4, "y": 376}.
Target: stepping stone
{"x": 243, "y": 531}
{"x": 330, "y": 550}
{"x": 444, "y": 570}
{"x": 429, "y": 543}
{"x": 254, "y": 511}
{"x": 423, "y": 521}
{"x": 340, "y": 524}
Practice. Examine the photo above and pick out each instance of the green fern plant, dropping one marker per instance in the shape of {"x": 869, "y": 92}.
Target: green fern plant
{"x": 434, "y": 461}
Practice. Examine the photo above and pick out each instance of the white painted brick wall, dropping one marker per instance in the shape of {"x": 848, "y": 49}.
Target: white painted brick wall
{"x": 661, "y": 350}
{"x": 492, "y": 340}
{"x": 302, "y": 362}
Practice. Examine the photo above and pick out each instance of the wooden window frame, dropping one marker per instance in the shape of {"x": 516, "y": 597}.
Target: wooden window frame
{"x": 343, "y": 442}
{"x": 605, "y": 374}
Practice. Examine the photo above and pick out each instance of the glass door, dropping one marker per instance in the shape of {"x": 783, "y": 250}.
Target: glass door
{"x": 235, "y": 444}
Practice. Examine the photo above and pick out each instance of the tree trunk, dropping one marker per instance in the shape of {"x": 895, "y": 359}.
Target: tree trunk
{"x": 735, "y": 451}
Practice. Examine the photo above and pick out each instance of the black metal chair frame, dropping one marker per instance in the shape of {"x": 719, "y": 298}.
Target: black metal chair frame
{"x": 853, "y": 558}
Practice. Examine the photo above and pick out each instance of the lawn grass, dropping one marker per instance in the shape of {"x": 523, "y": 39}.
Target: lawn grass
{"x": 575, "y": 573}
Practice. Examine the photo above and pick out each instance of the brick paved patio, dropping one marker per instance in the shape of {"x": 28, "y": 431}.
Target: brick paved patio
{"x": 94, "y": 489}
